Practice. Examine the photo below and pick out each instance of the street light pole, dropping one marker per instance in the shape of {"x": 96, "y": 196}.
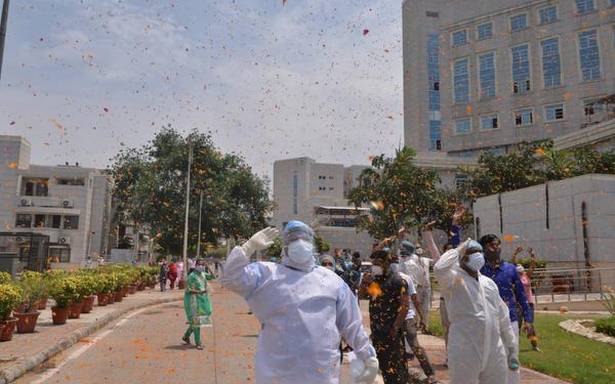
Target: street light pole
{"x": 198, "y": 244}
{"x": 185, "y": 253}
{"x": 5, "y": 15}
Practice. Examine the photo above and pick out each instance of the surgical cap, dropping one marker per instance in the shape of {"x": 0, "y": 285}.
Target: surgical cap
{"x": 407, "y": 248}
{"x": 328, "y": 258}
{"x": 296, "y": 230}
{"x": 474, "y": 245}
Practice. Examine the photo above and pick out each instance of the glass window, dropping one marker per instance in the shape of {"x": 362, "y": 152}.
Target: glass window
{"x": 433, "y": 71}
{"x": 551, "y": 65}
{"x": 463, "y": 126}
{"x": 524, "y": 117}
{"x": 73, "y": 181}
{"x": 518, "y": 23}
{"x": 29, "y": 189}
{"x": 584, "y": 6}
{"x": 484, "y": 31}
{"x": 487, "y": 74}
{"x": 39, "y": 221}
{"x": 461, "y": 180}
{"x": 460, "y": 38}
{"x": 554, "y": 112}
{"x": 589, "y": 55}
{"x": 461, "y": 81}
{"x": 56, "y": 221}
{"x": 71, "y": 222}
{"x": 591, "y": 108}
{"x": 435, "y": 135}
{"x": 548, "y": 15}
{"x": 59, "y": 255}
{"x": 489, "y": 122}
{"x": 521, "y": 69}
{"x": 23, "y": 221}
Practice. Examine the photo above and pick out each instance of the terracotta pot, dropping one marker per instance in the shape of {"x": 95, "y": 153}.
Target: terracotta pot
{"x": 181, "y": 284}
{"x": 103, "y": 299}
{"x": 125, "y": 291}
{"x": 74, "y": 310}
{"x": 141, "y": 287}
{"x": 132, "y": 289}
{"x": 7, "y": 328}
{"x": 119, "y": 296}
{"x": 59, "y": 315}
{"x": 110, "y": 298}
{"x": 88, "y": 304}
{"x": 42, "y": 304}
{"x": 26, "y": 322}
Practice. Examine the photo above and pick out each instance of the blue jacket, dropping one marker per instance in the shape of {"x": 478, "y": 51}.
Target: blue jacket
{"x": 511, "y": 290}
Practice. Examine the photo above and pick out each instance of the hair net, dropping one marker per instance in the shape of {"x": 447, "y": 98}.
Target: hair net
{"x": 296, "y": 230}
{"x": 474, "y": 245}
{"x": 328, "y": 258}
{"x": 407, "y": 248}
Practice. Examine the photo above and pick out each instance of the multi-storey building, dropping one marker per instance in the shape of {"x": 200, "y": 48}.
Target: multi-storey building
{"x": 68, "y": 203}
{"x": 316, "y": 194}
{"x": 486, "y": 75}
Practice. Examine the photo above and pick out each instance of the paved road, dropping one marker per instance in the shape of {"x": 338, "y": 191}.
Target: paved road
{"x": 146, "y": 347}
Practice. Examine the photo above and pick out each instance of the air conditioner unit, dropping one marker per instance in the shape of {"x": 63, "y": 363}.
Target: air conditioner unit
{"x": 19, "y": 239}
{"x": 64, "y": 240}
{"x": 67, "y": 203}
{"x": 54, "y": 237}
{"x": 26, "y": 203}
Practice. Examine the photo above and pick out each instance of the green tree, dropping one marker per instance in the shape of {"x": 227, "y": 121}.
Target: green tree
{"x": 150, "y": 190}
{"x": 401, "y": 195}
{"x": 322, "y": 245}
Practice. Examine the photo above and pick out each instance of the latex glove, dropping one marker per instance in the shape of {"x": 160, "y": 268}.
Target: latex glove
{"x": 513, "y": 361}
{"x": 368, "y": 374}
{"x": 260, "y": 240}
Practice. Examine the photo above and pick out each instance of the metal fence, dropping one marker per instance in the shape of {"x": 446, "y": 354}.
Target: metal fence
{"x": 572, "y": 284}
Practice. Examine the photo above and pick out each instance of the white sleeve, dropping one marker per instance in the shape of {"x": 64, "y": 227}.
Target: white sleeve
{"x": 239, "y": 275}
{"x": 349, "y": 321}
{"x": 444, "y": 268}
{"x": 506, "y": 331}
{"x": 431, "y": 246}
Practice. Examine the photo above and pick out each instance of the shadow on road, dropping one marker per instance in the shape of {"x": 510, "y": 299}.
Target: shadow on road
{"x": 184, "y": 347}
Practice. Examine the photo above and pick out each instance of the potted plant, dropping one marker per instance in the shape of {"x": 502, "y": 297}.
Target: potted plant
{"x": 33, "y": 288}
{"x": 5, "y": 278}
{"x": 87, "y": 290}
{"x": 63, "y": 290}
{"x": 113, "y": 286}
{"x": 10, "y": 297}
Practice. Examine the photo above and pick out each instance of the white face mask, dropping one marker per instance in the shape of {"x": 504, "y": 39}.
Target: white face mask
{"x": 475, "y": 261}
{"x": 377, "y": 270}
{"x": 300, "y": 251}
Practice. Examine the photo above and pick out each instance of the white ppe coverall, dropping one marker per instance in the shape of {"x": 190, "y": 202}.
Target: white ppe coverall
{"x": 304, "y": 314}
{"x": 480, "y": 337}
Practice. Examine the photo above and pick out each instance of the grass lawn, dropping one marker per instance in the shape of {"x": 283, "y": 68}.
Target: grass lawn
{"x": 564, "y": 355}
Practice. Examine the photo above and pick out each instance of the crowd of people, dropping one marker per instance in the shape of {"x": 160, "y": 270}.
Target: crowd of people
{"x": 309, "y": 309}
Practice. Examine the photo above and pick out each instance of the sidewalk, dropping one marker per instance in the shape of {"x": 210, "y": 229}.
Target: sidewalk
{"x": 26, "y": 351}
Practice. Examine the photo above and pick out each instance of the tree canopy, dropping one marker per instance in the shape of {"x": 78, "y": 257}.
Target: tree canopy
{"x": 401, "y": 196}
{"x": 150, "y": 188}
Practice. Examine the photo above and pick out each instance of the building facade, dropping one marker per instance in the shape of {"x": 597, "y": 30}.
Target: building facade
{"x": 68, "y": 203}
{"x": 486, "y": 75}
{"x": 316, "y": 193}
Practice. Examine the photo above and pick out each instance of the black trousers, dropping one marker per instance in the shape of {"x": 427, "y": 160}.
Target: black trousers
{"x": 392, "y": 358}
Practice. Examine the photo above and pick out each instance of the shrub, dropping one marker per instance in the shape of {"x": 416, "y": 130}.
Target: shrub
{"x": 5, "y": 278}
{"x": 64, "y": 291}
{"x": 606, "y": 326}
{"x": 86, "y": 285}
{"x": 34, "y": 289}
{"x": 10, "y": 297}
{"x": 608, "y": 300}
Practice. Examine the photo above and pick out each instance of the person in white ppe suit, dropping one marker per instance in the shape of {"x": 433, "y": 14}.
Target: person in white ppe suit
{"x": 481, "y": 347}
{"x": 304, "y": 310}
{"x": 417, "y": 267}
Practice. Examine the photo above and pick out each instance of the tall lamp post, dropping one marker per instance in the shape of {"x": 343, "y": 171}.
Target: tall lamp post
{"x": 185, "y": 253}
{"x": 3, "y": 20}
{"x": 198, "y": 243}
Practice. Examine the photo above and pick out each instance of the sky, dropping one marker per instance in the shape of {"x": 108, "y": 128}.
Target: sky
{"x": 269, "y": 79}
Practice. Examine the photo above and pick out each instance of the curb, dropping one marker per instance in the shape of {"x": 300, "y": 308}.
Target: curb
{"x": 575, "y": 326}
{"x": 18, "y": 369}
